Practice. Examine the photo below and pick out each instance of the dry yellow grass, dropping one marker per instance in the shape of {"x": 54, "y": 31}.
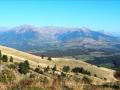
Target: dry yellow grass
{"x": 60, "y": 62}
{"x": 99, "y": 71}
{"x": 20, "y": 56}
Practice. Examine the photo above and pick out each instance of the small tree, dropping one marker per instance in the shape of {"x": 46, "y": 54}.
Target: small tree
{"x": 42, "y": 56}
{"x": 27, "y": 64}
{"x": 54, "y": 69}
{"x": 38, "y": 70}
{"x": 95, "y": 75}
{"x": 66, "y": 69}
{"x": 80, "y": 70}
{"x": 24, "y": 67}
{"x": 46, "y": 69}
{"x": 11, "y": 59}
{"x": 49, "y": 58}
{"x": 4, "y": 58}
{"x": 77, "y": 70}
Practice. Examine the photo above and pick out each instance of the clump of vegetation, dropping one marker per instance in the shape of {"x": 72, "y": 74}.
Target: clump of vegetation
{"x": 6, "y": 76}
{"x": 38, "y": 70}
{"x": 80, "y": 70}
{"x": 4, "y": 58}
{"x": 63, "y": 74}
{"x": 95, "y": 75}
{"x": 42, "y": 56}
{"x": 113, "y": 85}
{"x": 117, "y": 73}
{"x": 66, "y": 69}
{"x": 12, "y": 66}
{"x": 23, "y": 84}
{"x": 34, "y": 88}
{"x": 54, "y": 69}
{"x": 49, "y": 58}
{"x": 11, "y": 59}
{"x": 86, "y": 80}
{"x": 46, "y": 69}
{"x": 77, "y": 79}
{"x": 24, "y": 67}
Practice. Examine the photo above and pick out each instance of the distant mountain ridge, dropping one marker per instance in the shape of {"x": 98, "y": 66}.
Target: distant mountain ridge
{"x": 31, "y": 38}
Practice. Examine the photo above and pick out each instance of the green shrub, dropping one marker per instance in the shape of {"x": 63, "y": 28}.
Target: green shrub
{"x": 4, "y": 58}
{"x": 6, "y": 76}
{"x": 11, "y": 59}
{"x": 42, "y": 56}
{"x": 95, "y": 75}
{"x": 24, "y": 67}
{"x": 86, "y": 80}
{"x": 49, "y": 58}
{"x": 54, "y": 68}
{"x": 66, "y": 69}
{"x": 12, "y": 66}
{"x": 46, "y": 69}
{"x": 80, "y": 70}
{"x": 38, "y": 70}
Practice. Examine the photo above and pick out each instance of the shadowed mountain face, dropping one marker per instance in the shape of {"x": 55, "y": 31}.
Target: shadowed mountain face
{"x": 29, "y": 38}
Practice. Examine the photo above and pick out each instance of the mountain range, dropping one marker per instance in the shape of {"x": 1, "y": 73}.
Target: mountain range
{"x": 39, "y": 39}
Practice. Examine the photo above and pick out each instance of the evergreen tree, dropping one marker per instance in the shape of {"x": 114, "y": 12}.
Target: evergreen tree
{"x": 27, "y": 64}
{"x": 24, "y": 67}
{"x": 4, "y": 58}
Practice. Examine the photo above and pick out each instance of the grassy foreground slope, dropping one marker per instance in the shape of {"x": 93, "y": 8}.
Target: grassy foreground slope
{"x": 100, "y": 72}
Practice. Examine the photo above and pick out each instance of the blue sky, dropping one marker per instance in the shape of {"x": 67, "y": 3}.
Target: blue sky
{"x": 94, "y": 14}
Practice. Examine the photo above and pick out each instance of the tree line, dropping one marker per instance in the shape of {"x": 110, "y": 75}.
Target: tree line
{"x": 5, "y": 58}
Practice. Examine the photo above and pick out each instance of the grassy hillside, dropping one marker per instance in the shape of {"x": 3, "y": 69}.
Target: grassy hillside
{"x": 60, "y": 62}
{"x": 56, "y": 78}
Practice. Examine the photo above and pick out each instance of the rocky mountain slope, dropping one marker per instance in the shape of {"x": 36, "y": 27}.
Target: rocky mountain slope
{"x": 30, "y": 38}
